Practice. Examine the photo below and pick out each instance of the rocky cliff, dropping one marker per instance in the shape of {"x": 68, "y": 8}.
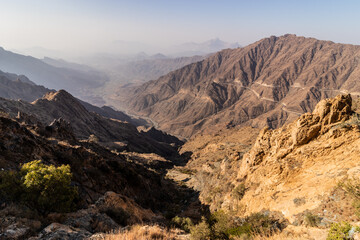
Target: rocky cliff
{"x": 296, "y": 171}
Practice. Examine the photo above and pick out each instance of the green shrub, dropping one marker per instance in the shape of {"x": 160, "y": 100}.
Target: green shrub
{"x": 220, "y": 223}
{"x": 256, "y": 223}
{"x": 10, "y": 185}
{"x": 44, "y": 187}
{"x": 201, "y": 231}
{"x": 339, "y": 231}
{"x": 182, "y": 223}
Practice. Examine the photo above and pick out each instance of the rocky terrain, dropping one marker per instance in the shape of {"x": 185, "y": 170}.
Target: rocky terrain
{"x": 114, "y": 190}
{"x": 297, "y": 171}
{"x": 86, "y": 125}
{"x": 267, "y": 83}
{"x": 302, "y": 174}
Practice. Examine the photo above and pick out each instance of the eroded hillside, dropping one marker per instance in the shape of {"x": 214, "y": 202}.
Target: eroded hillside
{"x": 268, "y": 83}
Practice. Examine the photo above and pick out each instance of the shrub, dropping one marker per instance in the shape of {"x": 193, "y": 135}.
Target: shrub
{"x": 256, "y": 223}
{"x": 201, "y": 231}
{"x": 239, "y": 191}
{"x": 220, "y": 223}
{"x": 44, "y": 187}
{"x": 10, "y": 185}
{"x": 182, "y": 223}
{"x": 352, "y": 187}
{"x": 312, "y": 220}
{"x": 339, "y": 231}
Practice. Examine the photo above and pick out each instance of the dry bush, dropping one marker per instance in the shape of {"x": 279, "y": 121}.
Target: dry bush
{"x": 138, "y": 232}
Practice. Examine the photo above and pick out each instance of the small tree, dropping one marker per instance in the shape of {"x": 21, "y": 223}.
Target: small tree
{"x": 44, "y": 187}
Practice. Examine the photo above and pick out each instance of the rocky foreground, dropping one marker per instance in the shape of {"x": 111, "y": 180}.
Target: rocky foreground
{"x": 295, "y": 172}
{"x": 302, "y": 178}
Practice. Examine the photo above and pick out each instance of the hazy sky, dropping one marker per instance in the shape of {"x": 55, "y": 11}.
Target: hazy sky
{"x": 84, "y": 26}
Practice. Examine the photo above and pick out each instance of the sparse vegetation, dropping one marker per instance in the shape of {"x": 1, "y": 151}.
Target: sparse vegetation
{"x": 339, "y": 231}
{"x": 187, "y": 171}
{"x": 354, "y": 120}
{"x": 220, "y": 225}
{"x": 299, "y": 201}
{"x": 352, "y": 187}
{"x": 183, "y": 223}
{"x": 138, "y": 232}
{"x": 311, "y": 220}
{"x": 43, "y": 187}
{"x": 201, "y": 231}
{"x": 239, "y": 191}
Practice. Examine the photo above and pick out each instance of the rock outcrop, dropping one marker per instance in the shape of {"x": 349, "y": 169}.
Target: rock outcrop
{"x": 276, "y": 144}
{"x": 294, "y": 171}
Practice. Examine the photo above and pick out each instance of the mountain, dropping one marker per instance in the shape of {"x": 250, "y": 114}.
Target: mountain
{"x": 60, "y": 63}
{"x": 62, "y": 106}
{"x": 267, "y": 83}
{"x": 134, "y": 71}
{"x": 14, "y": 86}
{"x": 19, "y": 87}
{"x": 203, "y": 48}
{"x": 78, "y": 82}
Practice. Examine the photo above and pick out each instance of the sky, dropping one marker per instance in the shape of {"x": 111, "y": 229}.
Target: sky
{"x": 89, "y": 26}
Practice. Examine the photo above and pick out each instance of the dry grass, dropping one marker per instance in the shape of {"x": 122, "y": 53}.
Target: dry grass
{"x": 138, "y": 232}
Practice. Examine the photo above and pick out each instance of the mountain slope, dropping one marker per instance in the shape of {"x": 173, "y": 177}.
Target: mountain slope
{"x": 293, "y": 171}
{"x": 86, "y": 125}
{"x": 19, "y": 87}
{"x": 76, "y": 81}
{"x": 114, "y": 190}
{"x": 269, "y": 82}
{"x": 16, "y": 87}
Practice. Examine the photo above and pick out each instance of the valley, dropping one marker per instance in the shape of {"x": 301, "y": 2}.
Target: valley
{"x": 258, "y": 142}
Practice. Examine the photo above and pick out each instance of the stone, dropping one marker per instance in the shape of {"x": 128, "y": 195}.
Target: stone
{"x": 60, "y": 231}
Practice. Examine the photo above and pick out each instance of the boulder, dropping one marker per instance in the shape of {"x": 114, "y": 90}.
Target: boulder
{"x": 60, "y": 231}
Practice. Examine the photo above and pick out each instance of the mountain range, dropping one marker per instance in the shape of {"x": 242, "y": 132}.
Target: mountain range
{"x": 77, "y": 81}
{"x": 267, "y": 83}
{"x": 268, "y": 154}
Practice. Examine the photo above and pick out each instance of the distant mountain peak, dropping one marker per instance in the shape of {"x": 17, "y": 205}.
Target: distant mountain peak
{"x": 202, "y": 48}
